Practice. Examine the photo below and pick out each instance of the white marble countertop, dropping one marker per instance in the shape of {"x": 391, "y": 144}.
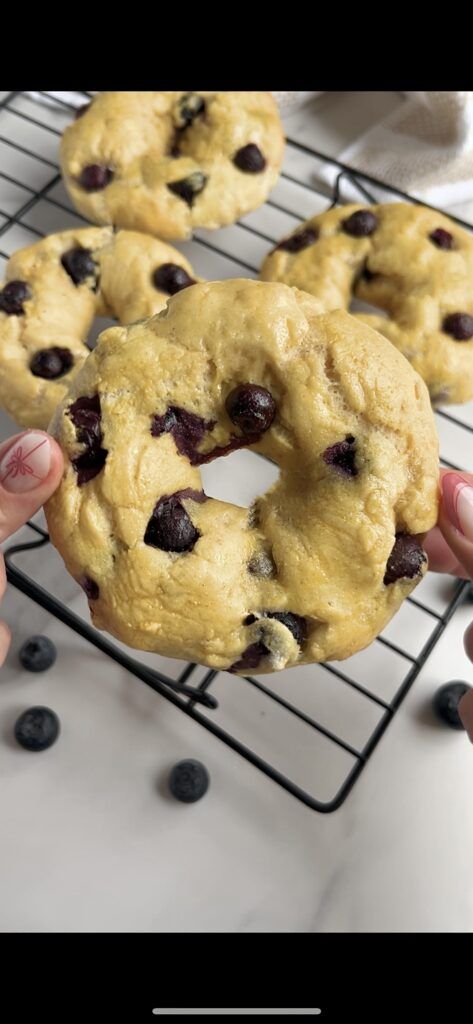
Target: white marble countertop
{"x": 90, "y": 840}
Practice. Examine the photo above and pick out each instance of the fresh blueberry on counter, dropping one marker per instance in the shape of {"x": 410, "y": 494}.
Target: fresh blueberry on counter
{"x": 37, "y": 728}
{"x": 189, "y": 781}
{"x": 446, "y": 701}
{"x": 37, "y": 654}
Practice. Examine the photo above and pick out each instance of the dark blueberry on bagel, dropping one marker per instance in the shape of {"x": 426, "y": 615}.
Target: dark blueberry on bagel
{"x": 249, "y": 159}
{"x": 360, "y": 224}
{"x": 171, "y": 278}
{"x": 188, "y": 108}
{"x": 441, "y": 238}
{"x": 342, "y": 456}
{"x": 459, "y": 326}
{"x": 14, "y": 294}
{"x": 406, "y": 559}
{"x": 170, "y": 527}
{"x": 95, "y": 177}
{"x": 188, "y": 188}
{"x": 79, "y": 264}
{"x": 301, "y": 240}
{"x": 250, "y": 658}
{"x": 51, "y": 363}
{"x": 90, "y": 587}
{"x": 251, "y": 408}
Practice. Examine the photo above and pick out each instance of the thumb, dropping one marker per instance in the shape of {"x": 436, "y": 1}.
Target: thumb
{"x": 30, "y": 470}
{"x": 456, "y": 525}
{"x": 456, "y": 516}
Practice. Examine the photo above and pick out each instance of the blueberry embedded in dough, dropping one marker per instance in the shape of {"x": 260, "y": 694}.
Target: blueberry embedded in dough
{"x": 171, "y": 278}
{"x": 406, "y": 559}
{"x": 251, "y": 408}
{"x": 170, "y": 527}
{"x": 12, "y": 297}
{"x": 188, "y": 107}
{"x": 188, "y": 188}
{"x": 296, "y": 624}
{"x": 442, "y": 239}
{"x": 342, "y": 456}
{"x": 187, "y": 428}
{"x": 51, "y": 363}
{"x": 86, "y": 416}
{"x": 90, "y": 587}
{"x": 249, "y": 159}
{"x": 301, "y": 240}
{"x": 251, "y": 657}
{"x": 89, "y": 464}
{"x": 459, "y": 326}
{"x": 95, "y": 177}
{"x": 79, "y": 264}
{"x": 278, "y": 636}
{"x": 360, "y": 224}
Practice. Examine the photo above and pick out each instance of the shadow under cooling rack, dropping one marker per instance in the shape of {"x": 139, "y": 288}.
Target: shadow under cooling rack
{"x": 311, "y": 729}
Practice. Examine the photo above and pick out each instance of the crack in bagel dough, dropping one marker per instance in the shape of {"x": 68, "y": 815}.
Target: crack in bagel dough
{"x": 53, "y": 291}
{"x": 178, "y": 573}
{"x": 170, "y": 162}
{"x": 412, "y": 262}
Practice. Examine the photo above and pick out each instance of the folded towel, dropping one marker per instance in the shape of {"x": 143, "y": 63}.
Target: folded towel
{"x": 424, "y": 147}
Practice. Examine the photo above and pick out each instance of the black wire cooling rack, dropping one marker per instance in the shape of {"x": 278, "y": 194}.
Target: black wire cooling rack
{"x": 35, "y": 183}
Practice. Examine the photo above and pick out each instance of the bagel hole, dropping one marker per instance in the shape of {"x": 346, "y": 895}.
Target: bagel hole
{"x": 359, "y": 306}
{"x": 238, "y": 478}
{"x": 99, "y": 324}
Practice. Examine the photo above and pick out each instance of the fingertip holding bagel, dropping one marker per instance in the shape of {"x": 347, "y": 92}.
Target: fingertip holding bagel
{"x": 53, "y": 291}
{"x": 169, "y": 162}
{"x": 319, "y": 564}
{"x": 412, "y": 262}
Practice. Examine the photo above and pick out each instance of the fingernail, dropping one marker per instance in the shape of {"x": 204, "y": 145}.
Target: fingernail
{"x": 27, "y": 463}
{"x": 457, "y": 495}
{"x": 465, "y": 709}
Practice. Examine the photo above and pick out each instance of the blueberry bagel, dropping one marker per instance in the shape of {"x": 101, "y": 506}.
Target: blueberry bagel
{"x": 413, "y": 263}
{"x": 319, "y": 564}
{"x": 169, "y": 162}
{"x": 52, "y": 292}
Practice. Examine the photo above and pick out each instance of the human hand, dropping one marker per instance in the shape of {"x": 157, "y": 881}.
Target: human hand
{"x": 450, "y": 549}
{"x": 30, "y": 470}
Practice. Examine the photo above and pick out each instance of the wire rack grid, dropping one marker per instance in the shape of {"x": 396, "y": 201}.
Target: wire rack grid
{"x": 331, "y": 718}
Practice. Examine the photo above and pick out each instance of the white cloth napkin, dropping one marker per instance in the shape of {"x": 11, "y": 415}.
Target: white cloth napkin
{"x": 424, "y": 147}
